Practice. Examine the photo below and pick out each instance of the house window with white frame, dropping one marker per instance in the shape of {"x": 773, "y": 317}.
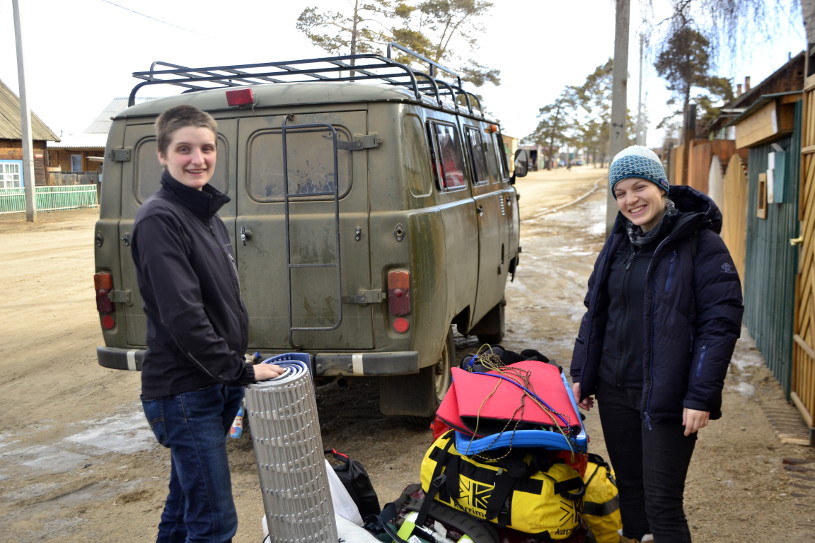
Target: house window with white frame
{"x": 11, "y": 174}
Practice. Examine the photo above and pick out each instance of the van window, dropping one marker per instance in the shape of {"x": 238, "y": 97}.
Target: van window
{"x": 148, "y": 170}
{"x": 309, "y": 161}
{"x": 416, "y": 166}
{"x": 498, "y": 145}
{"x": 478, "y": 156}
{"x": 448, "y": 164}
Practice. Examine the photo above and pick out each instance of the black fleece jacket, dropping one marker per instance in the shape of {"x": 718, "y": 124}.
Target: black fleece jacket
{"x": 196, "y": 322}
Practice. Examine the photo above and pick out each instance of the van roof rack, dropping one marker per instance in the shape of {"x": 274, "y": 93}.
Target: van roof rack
{"x": 364, "y": 67}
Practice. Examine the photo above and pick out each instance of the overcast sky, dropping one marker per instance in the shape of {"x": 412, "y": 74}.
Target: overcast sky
{"x": 80, "y": 54}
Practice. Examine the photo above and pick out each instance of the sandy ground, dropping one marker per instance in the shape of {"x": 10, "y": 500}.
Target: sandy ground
{"x": 78, "y": 464}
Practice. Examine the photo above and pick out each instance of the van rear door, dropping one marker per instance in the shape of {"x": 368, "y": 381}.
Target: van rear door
{"x": 302, "y": 231}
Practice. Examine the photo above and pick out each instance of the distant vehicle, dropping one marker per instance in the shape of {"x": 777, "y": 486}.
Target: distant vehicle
{"x": 371, "y": 207}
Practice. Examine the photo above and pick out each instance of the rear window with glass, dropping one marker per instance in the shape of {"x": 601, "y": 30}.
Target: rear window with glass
{"x": 448, "y": 162}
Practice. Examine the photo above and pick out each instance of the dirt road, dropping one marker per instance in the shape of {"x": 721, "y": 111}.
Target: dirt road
{"x": 78, "y": 464}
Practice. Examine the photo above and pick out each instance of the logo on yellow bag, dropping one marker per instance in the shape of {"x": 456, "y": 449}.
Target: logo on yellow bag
{"x": 474, "y": 496}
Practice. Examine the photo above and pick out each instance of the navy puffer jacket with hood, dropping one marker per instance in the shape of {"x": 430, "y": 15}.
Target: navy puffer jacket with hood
{"x": 692, "y": 312}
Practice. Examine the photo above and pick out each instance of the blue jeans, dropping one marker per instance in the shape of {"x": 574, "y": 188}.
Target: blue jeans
{"x": 650, "y": 465}
{"x": 194, "y": 425}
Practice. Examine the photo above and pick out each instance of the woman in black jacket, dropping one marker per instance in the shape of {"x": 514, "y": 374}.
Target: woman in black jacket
{"x": 194, "y": 369}
{"x": 664, "y": 310}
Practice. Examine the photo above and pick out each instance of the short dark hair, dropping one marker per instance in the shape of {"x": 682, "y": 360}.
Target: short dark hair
{"x": 180, "y": 117}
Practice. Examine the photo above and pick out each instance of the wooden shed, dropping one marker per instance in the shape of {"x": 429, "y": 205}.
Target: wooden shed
{"x": 11, "y": 144}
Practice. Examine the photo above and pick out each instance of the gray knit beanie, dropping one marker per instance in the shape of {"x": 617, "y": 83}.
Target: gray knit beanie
{"x": 640, "y": 162}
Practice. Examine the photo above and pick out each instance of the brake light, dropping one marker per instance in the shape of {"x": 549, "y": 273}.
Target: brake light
{"x": 103, "y": 284}
{"x": 108, "y": 322}
{"x": 240, "y": 97}
{"x": 401, "y": 324}
{"x": 399, "y": 292}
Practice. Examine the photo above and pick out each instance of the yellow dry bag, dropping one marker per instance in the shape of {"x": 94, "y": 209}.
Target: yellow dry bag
{"x": 514, "y": 491}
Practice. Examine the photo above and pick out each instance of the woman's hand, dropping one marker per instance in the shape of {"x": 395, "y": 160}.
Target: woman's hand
{"x": 267, "y": 371}
{"x": 694, "y": 420}
{"x": 586, "y": 404}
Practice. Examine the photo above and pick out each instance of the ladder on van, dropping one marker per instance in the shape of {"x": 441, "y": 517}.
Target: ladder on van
{"x": 291, "y": 197}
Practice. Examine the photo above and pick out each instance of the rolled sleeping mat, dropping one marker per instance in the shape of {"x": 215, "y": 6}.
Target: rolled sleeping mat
{"x": 285, "y": 431}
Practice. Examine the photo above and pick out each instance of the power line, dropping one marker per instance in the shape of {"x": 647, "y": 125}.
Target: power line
{"x": 154, "y": 19}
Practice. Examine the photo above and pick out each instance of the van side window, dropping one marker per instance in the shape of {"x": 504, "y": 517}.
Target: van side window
{"x": 501, "y": 150}
{"x": 448, "y": 163}
{"x": 309, "y": 162}
{"x": 478, "y": 157}
{"x": 148, "y": 170}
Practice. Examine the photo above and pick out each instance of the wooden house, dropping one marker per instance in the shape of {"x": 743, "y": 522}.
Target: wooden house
{"x": 12, "y": 172}
{"x": 78, "y": 158}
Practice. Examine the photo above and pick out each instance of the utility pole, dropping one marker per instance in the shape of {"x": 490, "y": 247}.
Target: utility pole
{"x": 619, "y": 88}
{"x": 25, "y": 124}
{"x": 640, "y": 114}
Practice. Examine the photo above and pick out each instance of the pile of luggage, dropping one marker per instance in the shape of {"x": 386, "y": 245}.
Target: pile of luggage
{"x": 509, "y": 464}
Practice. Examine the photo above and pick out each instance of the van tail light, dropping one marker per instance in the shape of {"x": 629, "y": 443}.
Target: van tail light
{"x": 399, "y": 292}
{"x": 103, "y": 284}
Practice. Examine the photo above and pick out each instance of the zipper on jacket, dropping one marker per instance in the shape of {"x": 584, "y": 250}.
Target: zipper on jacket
{"x": 648, "y": 387}
{"x": 701, "y": 362}
{"x": 630, "y": 258}
{"x": 671, "y": 269}
{"x": 647, "y": 413}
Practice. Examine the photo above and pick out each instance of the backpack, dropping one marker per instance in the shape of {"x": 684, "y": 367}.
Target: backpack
{"x": 515, "y": 490}
{"x": 356, "y": 481}
{"x": 601, "y": 505}
{"x": 415, "y": 518}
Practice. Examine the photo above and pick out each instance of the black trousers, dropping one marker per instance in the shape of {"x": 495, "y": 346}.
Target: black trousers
{"x": 651, "y": 465}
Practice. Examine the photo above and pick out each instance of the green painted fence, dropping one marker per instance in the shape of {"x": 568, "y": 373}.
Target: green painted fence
{"x": 49, "y": 198}
{"x": 771, "y": 262}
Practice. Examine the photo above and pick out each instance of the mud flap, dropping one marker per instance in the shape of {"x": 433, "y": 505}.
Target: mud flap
{"x": 419, "y": 394}
{"x": 409, "y": 395}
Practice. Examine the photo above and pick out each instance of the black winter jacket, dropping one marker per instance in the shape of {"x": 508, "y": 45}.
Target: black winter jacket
{"x": 692, "y": 310}
{"x": 197, "y": 325}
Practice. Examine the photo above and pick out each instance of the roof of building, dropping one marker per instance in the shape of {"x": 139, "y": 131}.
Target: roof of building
{"x": 10, "y": 128}
{"x": 787, "y": 79}
{"x": 96, "y": 135}
{"x": 80, "y": 141}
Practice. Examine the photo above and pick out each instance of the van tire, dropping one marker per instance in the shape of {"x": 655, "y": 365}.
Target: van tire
{"x": 490, "y": 329}
{"x": 418, "y": 396}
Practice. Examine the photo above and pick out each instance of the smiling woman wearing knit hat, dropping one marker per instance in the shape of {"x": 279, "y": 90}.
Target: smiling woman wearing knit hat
{"x": 663, "y": 312}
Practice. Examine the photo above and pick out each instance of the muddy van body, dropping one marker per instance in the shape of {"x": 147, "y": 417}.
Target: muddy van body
{"x": 371, "y": 210}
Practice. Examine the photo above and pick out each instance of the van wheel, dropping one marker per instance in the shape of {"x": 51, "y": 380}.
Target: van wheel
{"x": 418, "y": 396}
{"x": 490, "y": 329}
